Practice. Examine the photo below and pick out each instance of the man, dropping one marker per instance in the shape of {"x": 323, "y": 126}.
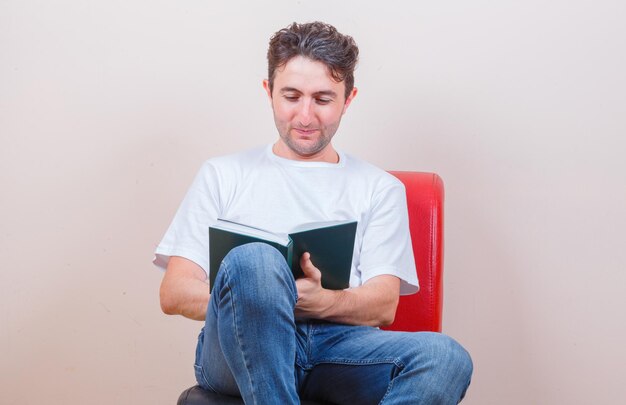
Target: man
{"x": 267, "y": 337}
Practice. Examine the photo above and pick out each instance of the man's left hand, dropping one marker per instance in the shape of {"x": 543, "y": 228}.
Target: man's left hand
{"x": 313, "y": 299}
{"x": 373, "y": 303}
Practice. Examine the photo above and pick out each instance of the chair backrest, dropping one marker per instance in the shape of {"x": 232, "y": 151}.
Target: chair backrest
{"x": 425, "y": 195}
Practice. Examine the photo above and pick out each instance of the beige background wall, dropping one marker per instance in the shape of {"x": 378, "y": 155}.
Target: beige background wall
{"x": 107, "y": 109}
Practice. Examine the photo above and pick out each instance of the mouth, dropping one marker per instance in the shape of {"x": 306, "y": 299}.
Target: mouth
{"x": 305, "y": 131}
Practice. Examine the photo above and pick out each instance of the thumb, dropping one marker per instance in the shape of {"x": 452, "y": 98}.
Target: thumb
{"x": 309, "y": 270}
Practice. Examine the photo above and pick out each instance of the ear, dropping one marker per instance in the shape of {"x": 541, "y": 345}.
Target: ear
{"x": 351, "y": 96}
{"x": 266, "y": 86}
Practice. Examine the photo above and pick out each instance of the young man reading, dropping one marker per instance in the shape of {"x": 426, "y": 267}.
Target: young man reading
{"x": 272, "y": 339}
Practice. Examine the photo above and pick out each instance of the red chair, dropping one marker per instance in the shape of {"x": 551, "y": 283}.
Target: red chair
{"x": 422, "y": 311}
{"x": 417, "y": 312}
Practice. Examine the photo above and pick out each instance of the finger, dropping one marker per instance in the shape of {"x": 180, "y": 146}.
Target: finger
{"x": 305, "y": 263}
{"x": 309, "y": 270}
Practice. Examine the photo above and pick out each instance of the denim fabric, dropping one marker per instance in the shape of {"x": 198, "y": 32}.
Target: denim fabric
{"x": 251, "y": 346}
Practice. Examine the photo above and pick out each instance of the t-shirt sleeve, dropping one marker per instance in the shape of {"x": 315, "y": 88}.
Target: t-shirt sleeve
{"x": 187, "y": 235}
{"x": 386, "y": 247}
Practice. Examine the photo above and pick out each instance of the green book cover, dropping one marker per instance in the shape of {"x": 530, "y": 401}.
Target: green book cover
{"x": 331, "y": 245}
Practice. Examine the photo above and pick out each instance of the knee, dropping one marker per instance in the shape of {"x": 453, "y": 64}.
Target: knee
{"x": 258, "y": 266}
{"x": 454, "y": 356}
{"x": 455, "y": 367}
{"x": 254, "y": 255}
{"x": 449, "y": 365}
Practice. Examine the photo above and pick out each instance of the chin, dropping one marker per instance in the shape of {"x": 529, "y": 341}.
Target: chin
{"x": 308, "y": 147}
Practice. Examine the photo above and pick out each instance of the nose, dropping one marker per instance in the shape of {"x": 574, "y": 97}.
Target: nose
{"x": 305, "y": 113}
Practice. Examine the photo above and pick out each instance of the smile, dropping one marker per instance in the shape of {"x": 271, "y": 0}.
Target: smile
{"x": 303, "y": 131}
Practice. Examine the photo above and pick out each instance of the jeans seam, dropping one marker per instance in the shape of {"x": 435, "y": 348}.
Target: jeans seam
{"x": 397, "y": 362}
{"x": 310, "y": 339}
{"x": 389, "y": 387}
{"x": 206, "y": 384}
{"x": 400, "y": 366}
{"x": 198, "y": 369}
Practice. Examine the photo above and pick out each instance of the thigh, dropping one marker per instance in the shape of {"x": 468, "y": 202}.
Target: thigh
{"x": 355, "y": 364}
{"x": 211, "y": 368}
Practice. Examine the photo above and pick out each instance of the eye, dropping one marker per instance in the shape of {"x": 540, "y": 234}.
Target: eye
{"x": 291, "y": 98}
{"x": 323, "y": 101}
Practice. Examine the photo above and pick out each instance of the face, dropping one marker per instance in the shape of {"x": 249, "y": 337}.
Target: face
{"x": 308, "y": 104}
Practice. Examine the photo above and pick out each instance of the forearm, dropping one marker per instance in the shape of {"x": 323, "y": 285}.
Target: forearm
{"x": 188, "y": 298}
{"x": 373, "y": 304}
{"x": 184, "y": 290}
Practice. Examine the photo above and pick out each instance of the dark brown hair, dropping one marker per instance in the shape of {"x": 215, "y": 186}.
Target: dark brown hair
{"x": 319, "y": 42}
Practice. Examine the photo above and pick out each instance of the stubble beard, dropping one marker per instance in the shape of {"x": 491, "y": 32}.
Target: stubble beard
{"x": 307, "y": 149}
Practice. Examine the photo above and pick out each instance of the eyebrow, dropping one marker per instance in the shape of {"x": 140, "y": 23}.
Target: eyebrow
{"x": 317, "y": 93}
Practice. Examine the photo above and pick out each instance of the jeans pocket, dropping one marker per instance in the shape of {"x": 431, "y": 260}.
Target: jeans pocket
{"x": 199, "y": 346}
{"x": 199, "y": 371}
{"x": 201, "y": 378}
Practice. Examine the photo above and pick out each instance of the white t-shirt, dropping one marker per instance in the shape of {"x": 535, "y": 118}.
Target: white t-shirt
{"x": 260, "y": 189}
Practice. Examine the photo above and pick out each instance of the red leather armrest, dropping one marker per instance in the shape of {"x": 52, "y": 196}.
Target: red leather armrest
{"x": 425, "y": 196}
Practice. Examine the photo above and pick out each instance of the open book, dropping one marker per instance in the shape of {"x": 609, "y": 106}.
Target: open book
{"x": 330, "y": 244}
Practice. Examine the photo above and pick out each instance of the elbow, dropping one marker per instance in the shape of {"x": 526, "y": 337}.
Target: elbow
{"x": 388, "y": 313}
{"x": 168, "y": 309}
{"x": 387, "y": 318}
{"x": 168, "y": 306}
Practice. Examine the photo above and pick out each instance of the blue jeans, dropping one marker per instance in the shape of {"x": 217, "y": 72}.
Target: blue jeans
{"x": 251, "y": 346}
